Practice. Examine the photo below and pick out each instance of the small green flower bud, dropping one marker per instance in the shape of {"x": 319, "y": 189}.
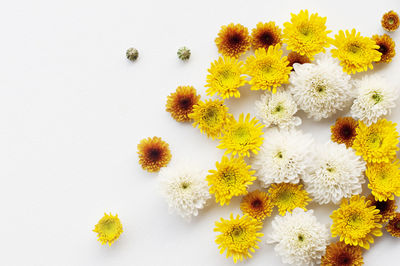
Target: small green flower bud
{"x": 183, "y": 53}
{"x": 132, "y": 54}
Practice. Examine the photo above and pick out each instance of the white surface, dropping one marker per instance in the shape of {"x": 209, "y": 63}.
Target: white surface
{"x": 73, "y": 109}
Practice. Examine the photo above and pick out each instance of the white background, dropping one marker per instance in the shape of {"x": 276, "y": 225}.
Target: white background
{"x": 73, "y": 109}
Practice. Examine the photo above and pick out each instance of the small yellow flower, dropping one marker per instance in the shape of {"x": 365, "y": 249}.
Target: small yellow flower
{"x": 265, "y": 35}
{"x": 233, "y": 40}
{"x": 386, "y": 208}
{"x": 231, "y": 178}
{"x": 386, "y": 47}
{"x": 257, "y": 204}
{"x": 287, "y": 197}
{"x": 108, "y": 229}
{"x": 384, "y": 180}
{"x": 238, "y": 236}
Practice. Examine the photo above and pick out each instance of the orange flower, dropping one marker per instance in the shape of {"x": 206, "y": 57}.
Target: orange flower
{"x": 344, "y": 131}
{"x": 233, "y": 40}
{"x": 153, "y": 153}
{"x": 180, "y": 103}
{"x": 265, "y": 35}
{"x": 386, "y": 47}
{"x": 390, "y": 21}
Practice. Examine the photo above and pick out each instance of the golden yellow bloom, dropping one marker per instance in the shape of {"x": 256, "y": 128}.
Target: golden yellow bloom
{"x": 288, "y": 196}
{"x": 226, "y": 76}
{"x": 241, "y": 137}
{"x": 384, "y": 179}
{"x": 267, "y": 69}
{"x": 294, "y": 57}
{"x": 344, "y": 131}
{"x": 378, "y": 142}
{"x": 306, "y": 35}
{"x": 210, "y": 116}
{"x": 238, "y": 236}
{"x": 257, "y": 204}
{"x": 340, "y": 254}
{"x": 231, "y": 178}
{"x": 356, "y": 222}
{"x": 386, "y": 208}
{"x": 386, "y": 47}
{"x": 265, "y": 35}
{"x": 356, "y": 53}
{"x": 393, "y": 226}
{"x": 233, "y": 40}
{"x": 390, "y": 21}
{"x": 180, "y": 103}
{"x": 108, "y": 229}
{"x": 153, "y": 153}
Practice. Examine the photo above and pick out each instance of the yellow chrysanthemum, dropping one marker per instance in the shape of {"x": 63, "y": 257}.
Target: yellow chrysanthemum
{"x": 378, "y": 142}
{"x": 226, "y": 76}
{"x": 267, "y": 69}
{"x": 233, "y": 40}
{"x": 241, "y": 137}
{"x": 356, "y": 53}
{"x": 265, "y": 35}
{"x": 238, "y": 236}
{"x": 231, "y": 178}
{"x": 257, "y": 204}
{"x": 287, "y": 197}
{"x": 384, "y": 180}
{"x": 210, "y": 116}
{"x": 108, "y": 229}
{"x": 306, "y": 35}
{"x": 356, "y": 222}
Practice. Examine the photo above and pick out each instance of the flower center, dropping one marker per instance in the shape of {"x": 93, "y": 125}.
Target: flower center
{"x": 154, "y": 154}
{"x": 257, "y": 203}
{"x": 267, "y": 38}
{"x": 108, "y": 227}
{"x": 300, "y": 238}
{"x": 279, "y": 108}
{"x": 185, "y": 103}
{"x": 391, "y": 20}
{"x": 343, "y": 259}
{"x": 375, "y": 141}
{"x": 377, "y": 97}
{"x": 382, "y": 206}
{"x": 185, "y": 185}
{"x": 242, "y": 135}
{"x": 229, "y": 176}
{"x": 346, "y": 132}
{"x": 211, "y": 116}
{"x": 355, "y": 220}
{"x": 285, "y": 196}
{"x": 354, "y": 48}
{"x": 235, "y": 39}
{"x": 397, "y": 225}
{"x": 382, "y": 49}
{"x": 305, "y": 30}
{"x": 227, "y": 77}
{"x": 237, "y": 233}
{"x": 279, "y": 155}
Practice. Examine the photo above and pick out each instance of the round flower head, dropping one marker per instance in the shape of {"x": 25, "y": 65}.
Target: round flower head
{"x": 132, "y": 54}
{"x": 241, "y": 137}
{"x": 341, "y": 254}
{"x": 185, "y": 190}
{"x": 375, "y": 99}
{"x": 180, "y": 103}
{"x": 108, "y": 229}
{"x": 265, "y": 35}
{"x": 233, "y": 40}
{"x": 296, "y": 58}
{"x": 226, "y": 76}
{"x": 320, "y": 89}
{"x": 300, "y": 238}
{"x": 287, "y": 197}
{"x": 386, "y": 208}
{"x": 393, "y": 226}
{"x": 284, "y": 157}
{"x": 306, "y": 35}
{"x": 386, "y": 47}
{"x": 336, "y": 173}
{"x": 390, "y": 21}
{"x": 267, "y": 68}
{"x": 238, "y": 236}
{"x": 184, "y": 53}
{"x": 210, "y": 116}
{"x": 356, "y": 222}
{"x": 257, "y": 204}
{"x": 356, "y": 53}
{"x": 344, "y": 131}
{"x": 278, "y": 109}
{"x": 231, "y": 178}
{"x": 153, "y": 153}
{"x": 378, "y": 142}
{"x": 384, "y": 179}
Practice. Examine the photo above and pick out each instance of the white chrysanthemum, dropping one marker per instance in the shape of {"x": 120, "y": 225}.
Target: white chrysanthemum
{"x": 322, "y": 88}
{"x": 185, "y": 189}
{"x": 300, "y": 238}
{"x": 278, "y": 109}
{"x": 283, "y": 157}
{"x": 337, "y": 173}
{"x": 375, "y": 98}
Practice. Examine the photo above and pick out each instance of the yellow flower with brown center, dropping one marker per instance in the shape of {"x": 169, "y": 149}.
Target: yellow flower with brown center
{"x": 265, "y": 35}
{"x": 390, "y": 21}
{"x": 344, "y": 131}
{"x": 386, "y": 47}
{"x": 233, "y": 40}
{"x": 108, "y": 229}
{"x": 387, "y": 208}
{"x": 288, "y": 196}
{"x": 294, "y": 57}
{"x": 180, "y": 103}
{"x": 340, "y": 254}
{"x": 153, "y": 154}
{"x": 257, "y": 204}
{"x": 238, "y": 236}
{"x": 384, "y": 179}
{"x": 393, "y": 227}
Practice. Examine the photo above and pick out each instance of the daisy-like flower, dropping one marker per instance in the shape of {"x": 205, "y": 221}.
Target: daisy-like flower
{"x": 180, "y": 103}
{"x": 231, "y": 178}
{"x": 278, "y": 109}
{"x": 378, "y": 142}
{"x": 384, "y": 179}
{"x": 185, "y": 190}
{"x": 387, "y": 208}
{"x": 233, "y": 40}
{"x": 344, "y": 131}
{"x": 267, "y": 68}
{"x": 287, "y": 197}
{"x": 390, "y": 21}
{"x": 356, "y": 222}
{"x": 306, "y": 35}
{"x": 300, "y": 238}
{"x": 393, "y": 226}
{"x": 257, "y": 204}
{"x": 108, "y": 229}
{"x": 238, "y": 236}
{"x": 284, "y": 157}
{"x": 320, "y": 89}
{"x": 336, "y": 173}
{"x": 226, "y": 76}
{"x": 356, "y": 53}
{"x": 210, "y": 116}
{"x": 241, "y": 137}
{"x": 296, "y": 58}
{"x": 265, "y": 35}
{"x": 386, "y": 47}
{"x": 375, "y": 99}
{"x": 340, "y": 254}
{"x": 153, "y": 153}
